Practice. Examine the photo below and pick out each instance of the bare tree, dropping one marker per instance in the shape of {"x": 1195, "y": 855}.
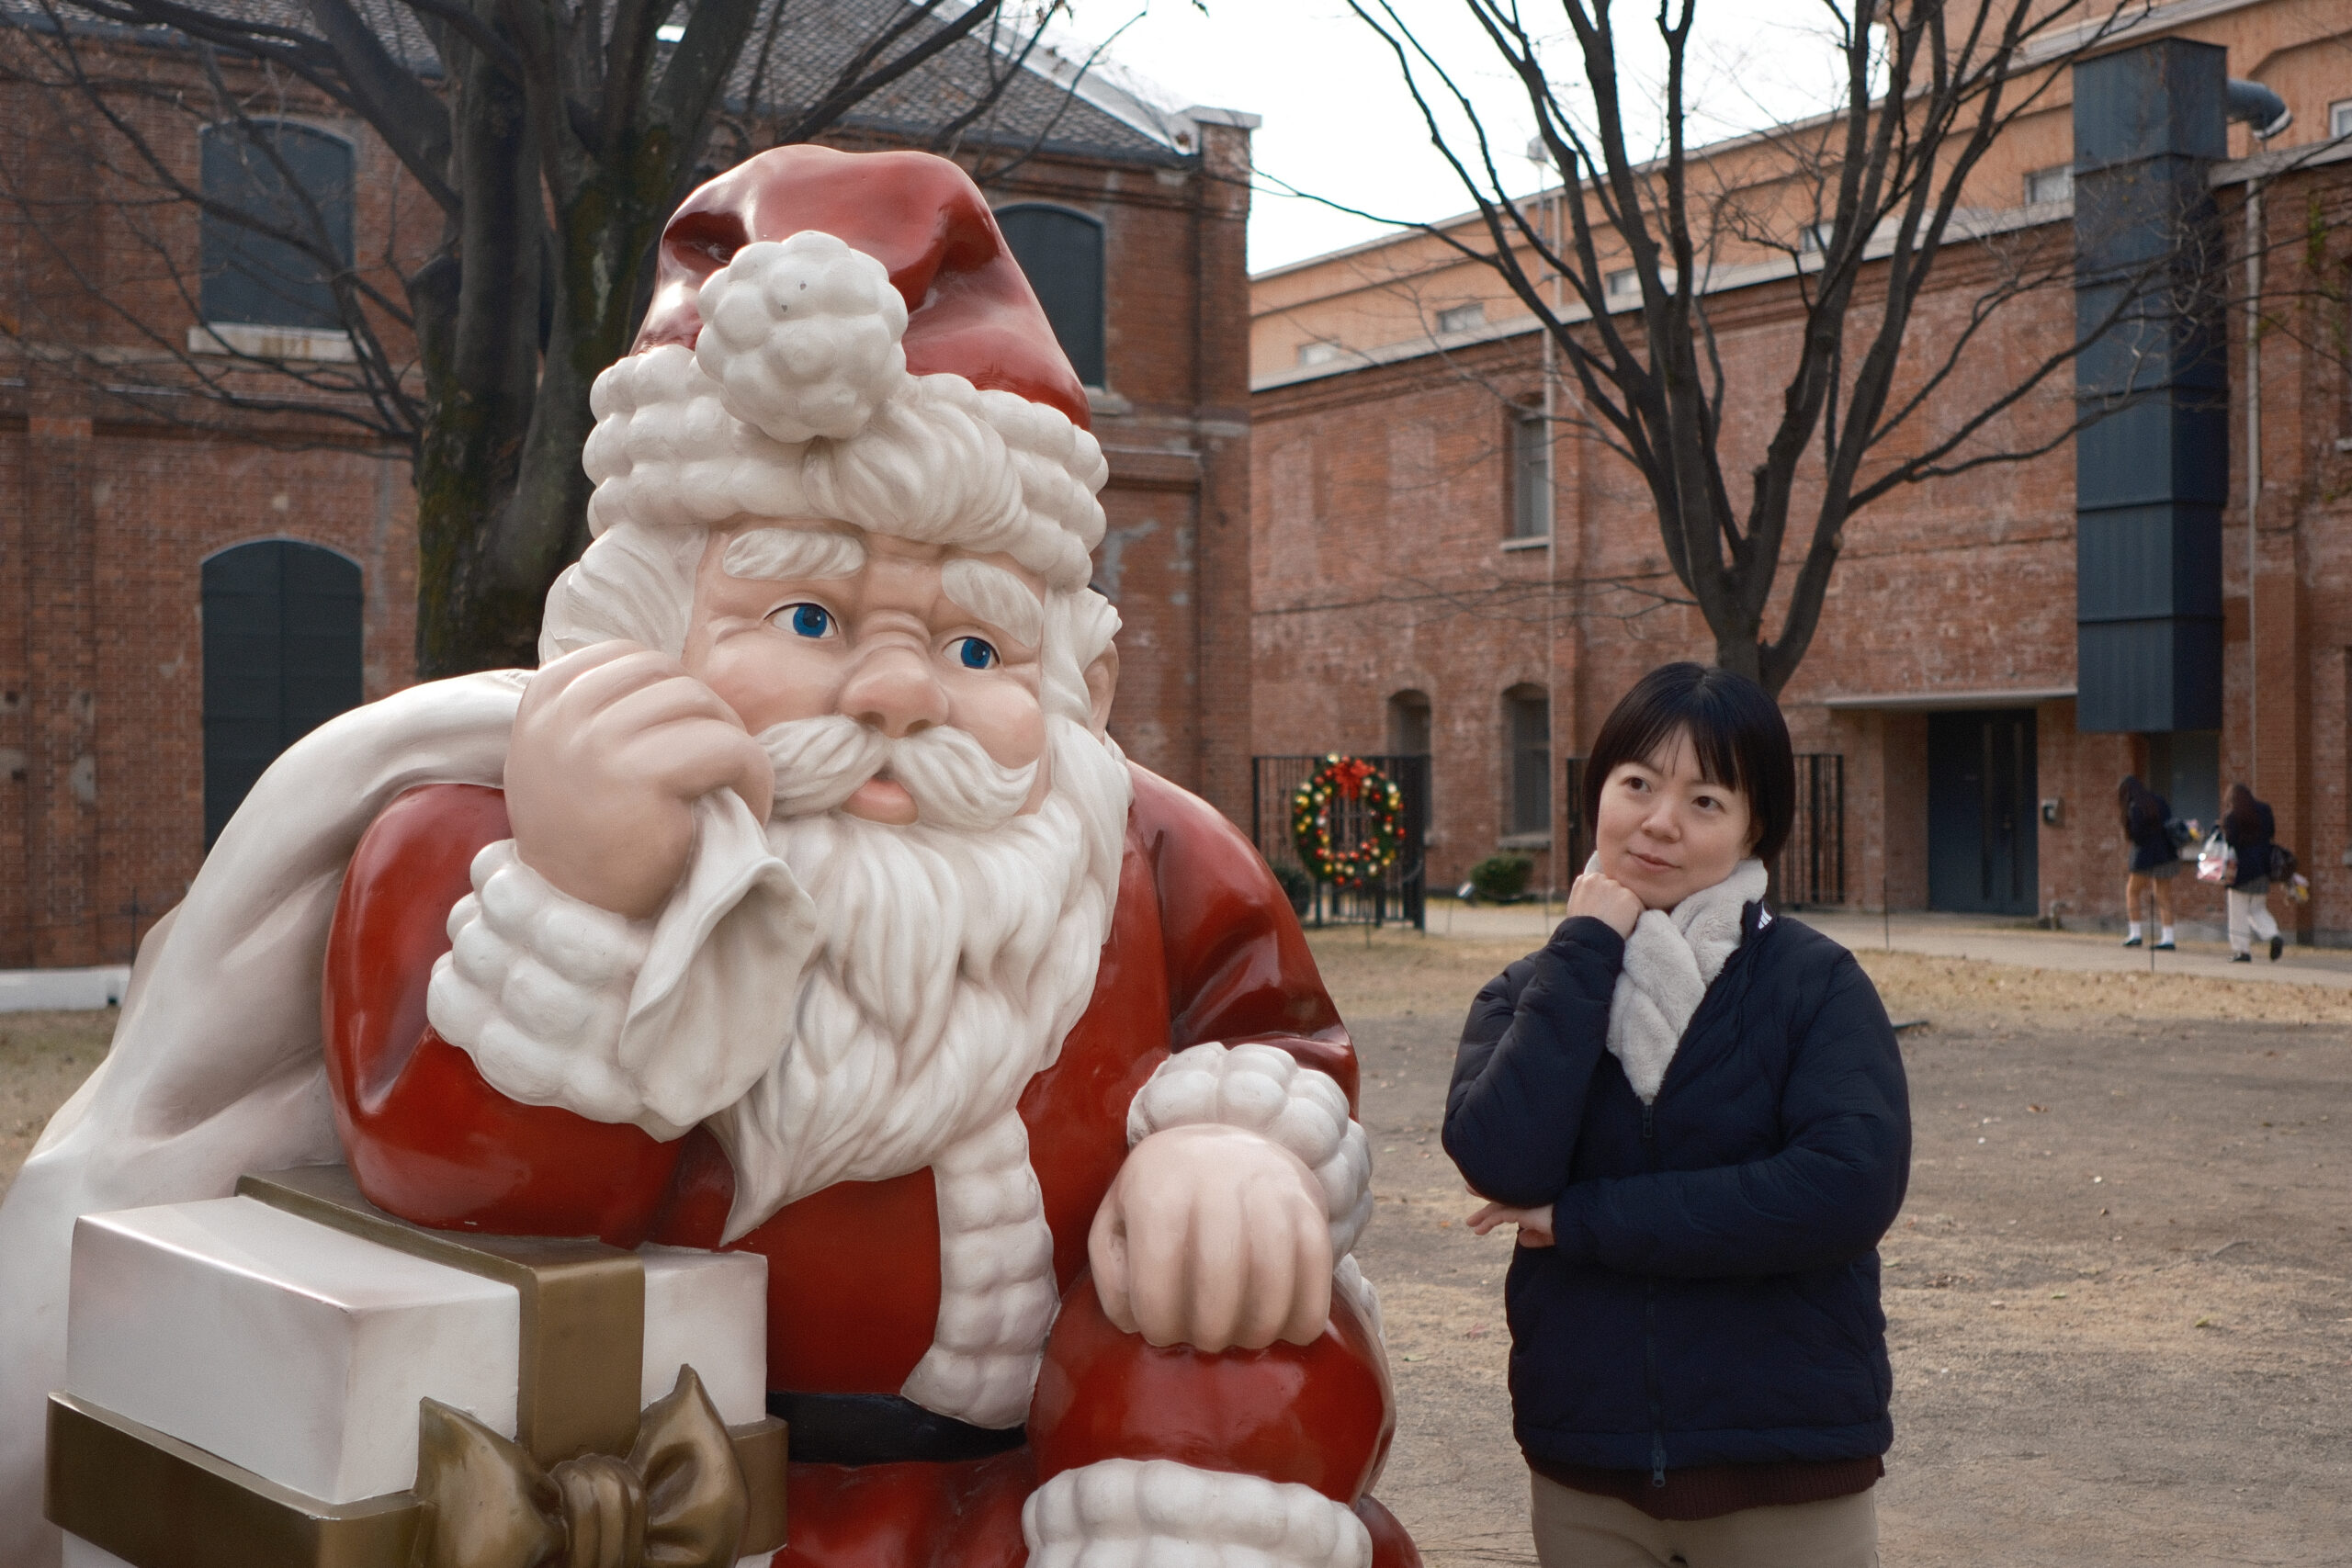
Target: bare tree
{"x": 546, "y": 141}
{"x": 1864, "y": 205}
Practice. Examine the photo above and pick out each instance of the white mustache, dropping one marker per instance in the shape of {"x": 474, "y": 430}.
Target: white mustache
{"x": 820, "y": 763}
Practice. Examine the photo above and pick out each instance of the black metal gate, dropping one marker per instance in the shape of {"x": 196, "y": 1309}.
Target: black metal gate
{"x": 1812, "y": 868}
{"x": 1399, "y": 896}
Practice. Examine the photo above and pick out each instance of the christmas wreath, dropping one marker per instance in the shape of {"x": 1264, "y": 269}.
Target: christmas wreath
{"x": 1347, "y": 822}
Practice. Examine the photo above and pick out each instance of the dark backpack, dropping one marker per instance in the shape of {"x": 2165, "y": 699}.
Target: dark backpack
{"x": 2282, "y": 863}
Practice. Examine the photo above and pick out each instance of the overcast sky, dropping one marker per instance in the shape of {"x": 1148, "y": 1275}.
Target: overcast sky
{"x": 1339, "y": 124}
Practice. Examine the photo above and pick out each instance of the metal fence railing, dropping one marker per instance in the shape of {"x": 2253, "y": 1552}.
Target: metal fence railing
{"x": 1812, "y": 866}
{"x": 1399, "y": 896}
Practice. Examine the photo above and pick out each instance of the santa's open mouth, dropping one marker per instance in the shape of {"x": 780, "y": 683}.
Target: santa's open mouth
{"x": 882, "y": 799}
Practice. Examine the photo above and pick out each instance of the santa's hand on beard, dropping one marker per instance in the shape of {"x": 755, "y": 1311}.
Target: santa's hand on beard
{"x": 1215, "y": 1237}
{"x": 612, "y": 746}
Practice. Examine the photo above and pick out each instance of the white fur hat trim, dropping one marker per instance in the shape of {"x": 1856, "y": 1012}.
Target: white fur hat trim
{"x": 797, "y": 402}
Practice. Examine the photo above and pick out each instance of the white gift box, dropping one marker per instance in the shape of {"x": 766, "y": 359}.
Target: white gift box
{"x": 297, "y": 1351}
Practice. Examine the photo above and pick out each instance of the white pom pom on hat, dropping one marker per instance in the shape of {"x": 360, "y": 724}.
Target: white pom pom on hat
{"x": 802, "y": 337}
{"x": 782, "y": 373}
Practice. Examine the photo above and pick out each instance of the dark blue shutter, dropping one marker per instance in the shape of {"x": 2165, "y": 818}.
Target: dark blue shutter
{"x": 1061, "y": 252}
{"x": 253, "y": 277}
{"x": 281, "y": 657}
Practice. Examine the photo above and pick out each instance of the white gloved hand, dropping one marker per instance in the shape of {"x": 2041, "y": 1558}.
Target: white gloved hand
{"x": 1214, "y": 1236}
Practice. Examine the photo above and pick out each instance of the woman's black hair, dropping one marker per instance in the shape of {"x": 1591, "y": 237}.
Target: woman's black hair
{"x": 2126, "y": 795}
{"x": 1736, "y": 732}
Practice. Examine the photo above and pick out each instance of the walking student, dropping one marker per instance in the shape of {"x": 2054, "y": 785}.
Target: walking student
{"x": 2156, "y": 859}
{"x": 1694, "y": 1112}
{"x": 2248, "y": 828}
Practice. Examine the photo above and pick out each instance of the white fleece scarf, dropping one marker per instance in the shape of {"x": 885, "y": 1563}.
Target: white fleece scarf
{"x": 1671, "y": 960}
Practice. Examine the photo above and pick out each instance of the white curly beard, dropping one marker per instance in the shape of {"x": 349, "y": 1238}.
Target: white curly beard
{"x": 950, "y": 968}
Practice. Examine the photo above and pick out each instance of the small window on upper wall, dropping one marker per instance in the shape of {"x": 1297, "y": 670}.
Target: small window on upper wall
{"x": 1462, "y": 318}
{"x": 1527, "y": 751}
{"x": 293, "y": 183}
{"x": 1623, "y": 287}
{"x": 1061, "y": 252}
{"x": 2340, "y": 117}
{"x": 2054, "y": 184}
{"x": 1531, "y": 474}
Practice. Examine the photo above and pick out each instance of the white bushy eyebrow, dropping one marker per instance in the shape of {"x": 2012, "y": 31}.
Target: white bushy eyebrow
{"x": 788, "y": 554}
{"x": 996, "y": 596}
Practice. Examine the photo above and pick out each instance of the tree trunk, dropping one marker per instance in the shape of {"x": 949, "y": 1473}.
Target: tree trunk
{"x": 477, "y": 307}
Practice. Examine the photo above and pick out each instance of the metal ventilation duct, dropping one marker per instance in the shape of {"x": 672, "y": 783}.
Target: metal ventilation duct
{"x": 2152, "y": 473}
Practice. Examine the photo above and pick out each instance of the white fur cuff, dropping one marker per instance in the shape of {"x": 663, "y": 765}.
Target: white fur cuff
{"x": 537, "y": 985}
{"x": 1263, "y": 1089}
{"x": 1125, "y": 1512}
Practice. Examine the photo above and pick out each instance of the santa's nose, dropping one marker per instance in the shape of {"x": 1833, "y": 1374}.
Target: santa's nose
{"x": 894, "y": 690}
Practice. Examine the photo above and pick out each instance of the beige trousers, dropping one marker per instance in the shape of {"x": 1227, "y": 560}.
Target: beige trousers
{"x": 1577, "y": 1529}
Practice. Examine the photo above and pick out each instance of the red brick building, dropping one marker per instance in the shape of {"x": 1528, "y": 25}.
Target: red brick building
{"x": 125, "y": 522}
{"x": 1434, "y": 562}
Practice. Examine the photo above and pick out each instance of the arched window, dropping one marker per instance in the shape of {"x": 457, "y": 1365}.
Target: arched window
{"x": 1409, "y": 724}
{"x": 293, "y": 182}
{"x": 1061, "y": 252}
{"x": 281, "y": 657}
{"x": 1527, "y": 763}
{"x": 1408, "y": 736}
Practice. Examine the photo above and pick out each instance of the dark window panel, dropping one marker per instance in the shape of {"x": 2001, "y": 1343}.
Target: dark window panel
{"x": 282, "y": 650}
{"x": 253, "y": 277}
{"x": 1061, "y": 252}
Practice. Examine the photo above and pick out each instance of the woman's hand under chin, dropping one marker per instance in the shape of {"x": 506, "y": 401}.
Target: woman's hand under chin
{"x": 1605, "y": 899}
{"x": 1534, "y": 1225}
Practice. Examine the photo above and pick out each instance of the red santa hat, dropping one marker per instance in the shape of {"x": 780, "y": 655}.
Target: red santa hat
{"x": 846, "y": 336}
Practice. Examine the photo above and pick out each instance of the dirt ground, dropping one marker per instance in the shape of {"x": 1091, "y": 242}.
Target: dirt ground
{"x": 2120, "y": 1297}
{"x": 44, "y": 1056}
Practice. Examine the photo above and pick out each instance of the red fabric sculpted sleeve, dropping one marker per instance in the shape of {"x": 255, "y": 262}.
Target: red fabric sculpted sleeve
{"x": 427, "y": 1138}
{"x": 1237, "y": 970}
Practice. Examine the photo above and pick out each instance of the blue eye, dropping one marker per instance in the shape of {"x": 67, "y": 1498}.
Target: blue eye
{"x": 811, "y": 620}
{"x": 973, "y": 654}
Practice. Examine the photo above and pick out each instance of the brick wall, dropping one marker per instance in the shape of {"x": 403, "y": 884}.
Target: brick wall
{"x": 1382, "y": 499}
{"x": 108, "y": 508}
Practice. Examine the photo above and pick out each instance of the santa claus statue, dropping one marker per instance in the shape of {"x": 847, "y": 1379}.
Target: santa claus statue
{"x": 800, "y": 902}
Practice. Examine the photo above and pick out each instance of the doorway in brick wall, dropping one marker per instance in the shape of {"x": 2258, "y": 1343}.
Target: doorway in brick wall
{"x": 1981, "y": 806}
{"x": 282, "y": 655}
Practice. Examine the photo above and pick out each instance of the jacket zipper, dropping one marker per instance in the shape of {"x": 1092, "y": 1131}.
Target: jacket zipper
{"x": 1649, "y": 1324}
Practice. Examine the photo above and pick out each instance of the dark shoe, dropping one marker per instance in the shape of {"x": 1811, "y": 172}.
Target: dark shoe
{"x": 2163, "y": 947}
{"x": 2241, "y": 957}
{"x": 2278, "y": 946}
{"x": 2130, "y": 941}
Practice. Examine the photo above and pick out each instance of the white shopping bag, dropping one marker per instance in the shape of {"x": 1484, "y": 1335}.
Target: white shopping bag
{"x": 2216, "y": 859}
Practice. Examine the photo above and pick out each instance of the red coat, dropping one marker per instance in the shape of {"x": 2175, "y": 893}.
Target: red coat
{"x": 1202, "y": 946}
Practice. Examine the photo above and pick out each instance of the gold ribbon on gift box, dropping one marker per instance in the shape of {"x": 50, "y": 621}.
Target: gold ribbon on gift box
{"x": 589, "y": 1480}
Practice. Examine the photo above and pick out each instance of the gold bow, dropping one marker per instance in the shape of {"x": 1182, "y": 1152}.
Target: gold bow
{"x": 678, "y": 1501}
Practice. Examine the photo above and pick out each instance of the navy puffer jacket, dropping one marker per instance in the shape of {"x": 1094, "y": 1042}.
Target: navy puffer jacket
{"x": 1713, "y": 1297}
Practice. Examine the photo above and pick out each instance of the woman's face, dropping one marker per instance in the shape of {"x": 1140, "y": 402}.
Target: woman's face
{"x": 1664, "y": 831}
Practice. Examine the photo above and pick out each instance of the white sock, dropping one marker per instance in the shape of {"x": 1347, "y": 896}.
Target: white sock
{"x": 2133, "y": 932}
{"x": 2166, "y": 935}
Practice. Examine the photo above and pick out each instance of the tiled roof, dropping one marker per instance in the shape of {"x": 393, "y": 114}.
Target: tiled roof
{"x": 813, "y": 42}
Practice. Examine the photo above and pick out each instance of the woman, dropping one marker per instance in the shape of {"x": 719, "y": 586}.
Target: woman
{"x": 1695, "y": 1113}
{"x": 2248, "y": 827}
{"x": 2156, "y": 859}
